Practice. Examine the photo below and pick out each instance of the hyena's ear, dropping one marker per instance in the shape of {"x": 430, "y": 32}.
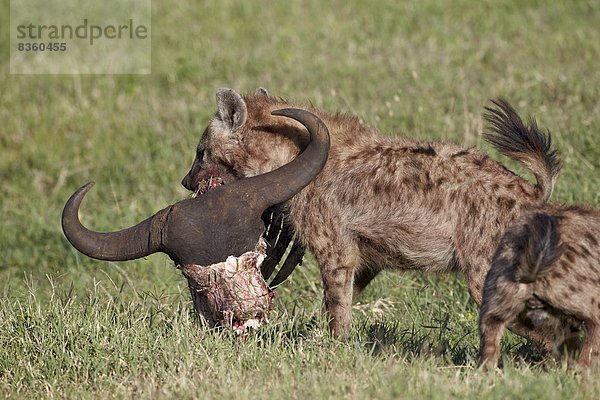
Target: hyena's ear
{"x": 261, "y": 91}
{"x": 231, "y": 109}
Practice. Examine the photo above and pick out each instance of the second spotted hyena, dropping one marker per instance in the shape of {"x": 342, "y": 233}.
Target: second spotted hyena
{"x": 546, "y": 273}
{"x": 382, "y": 202}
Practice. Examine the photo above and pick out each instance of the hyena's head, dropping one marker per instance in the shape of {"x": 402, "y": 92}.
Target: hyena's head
{"x": 243, "y": 139}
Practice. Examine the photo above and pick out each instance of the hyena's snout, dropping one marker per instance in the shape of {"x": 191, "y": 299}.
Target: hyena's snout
{"x": 188, "y": 181}
{"x": 202, "y": 178}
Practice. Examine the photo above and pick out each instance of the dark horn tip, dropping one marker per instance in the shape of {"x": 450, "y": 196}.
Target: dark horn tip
{"x": 89, "y": 185}
{"x": 85, "y": 188}
{"x": 286, "y": 112}
{"x": 306, "y": 118}
{"x": 75, "y": 199}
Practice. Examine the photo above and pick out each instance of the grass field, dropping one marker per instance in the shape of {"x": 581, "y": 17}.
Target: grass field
{"x": 72, "y": 327}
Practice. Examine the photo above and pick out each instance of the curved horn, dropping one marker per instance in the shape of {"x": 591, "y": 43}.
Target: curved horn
{"x": 128, "y": 244}
{"x": 284, "y": 182}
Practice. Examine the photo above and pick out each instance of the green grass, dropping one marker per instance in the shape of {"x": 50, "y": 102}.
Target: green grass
{"x": 78, "y": 328}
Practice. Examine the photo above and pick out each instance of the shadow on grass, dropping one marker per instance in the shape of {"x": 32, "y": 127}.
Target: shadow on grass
{"x": 440, "y": 343}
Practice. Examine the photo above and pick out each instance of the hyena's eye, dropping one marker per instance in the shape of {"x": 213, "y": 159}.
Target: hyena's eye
{"x": 199, "y": 154}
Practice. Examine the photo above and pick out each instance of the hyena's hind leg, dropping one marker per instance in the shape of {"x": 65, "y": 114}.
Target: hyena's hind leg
{"x": 495, "y": 314}
{"x": 503, "y": 301}
{"x": 490, "y": 331}
{"x": 362, "y": 277}
{"x": 590, "y": 351}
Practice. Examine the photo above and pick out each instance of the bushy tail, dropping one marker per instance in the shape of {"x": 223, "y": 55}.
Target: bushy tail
{"x": 526, "y": 144}
{"x": 542, "y": 248}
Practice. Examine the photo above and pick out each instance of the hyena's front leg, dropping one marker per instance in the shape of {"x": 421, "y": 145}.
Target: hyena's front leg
{"x": 337, "y": 271}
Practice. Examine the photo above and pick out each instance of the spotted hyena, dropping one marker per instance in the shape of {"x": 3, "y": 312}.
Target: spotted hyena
{"x": 546, "y": 273}
{"x": 382, "y": 201}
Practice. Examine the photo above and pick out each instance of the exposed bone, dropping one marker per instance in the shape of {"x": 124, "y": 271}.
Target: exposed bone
{"x": 231, "y": 293}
